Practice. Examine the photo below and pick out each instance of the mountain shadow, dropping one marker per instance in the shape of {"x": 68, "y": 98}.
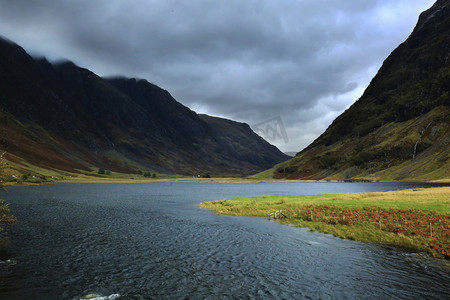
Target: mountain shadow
{"x": 66, "y": 118}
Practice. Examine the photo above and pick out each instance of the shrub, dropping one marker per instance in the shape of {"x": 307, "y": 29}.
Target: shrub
{"x": 5, "y": 216}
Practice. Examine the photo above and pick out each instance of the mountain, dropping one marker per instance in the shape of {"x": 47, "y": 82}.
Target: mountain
{"x": 399, "y": 128}
{"x": 66, "y": 118}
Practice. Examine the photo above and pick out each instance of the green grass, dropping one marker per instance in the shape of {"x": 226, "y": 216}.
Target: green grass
{"x": 436, "y": 199}
{"x": 383, "y": 154}
{"x": 397, "y": 211}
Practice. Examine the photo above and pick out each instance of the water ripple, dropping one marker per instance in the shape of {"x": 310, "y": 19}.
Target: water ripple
{"x": 151, "y": 242}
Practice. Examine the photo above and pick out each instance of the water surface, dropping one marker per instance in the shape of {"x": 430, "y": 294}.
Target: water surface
{"x": 151, "y": 241}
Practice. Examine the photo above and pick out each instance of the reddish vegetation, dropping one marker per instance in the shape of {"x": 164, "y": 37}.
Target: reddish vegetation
{"x": 431, "y": 227}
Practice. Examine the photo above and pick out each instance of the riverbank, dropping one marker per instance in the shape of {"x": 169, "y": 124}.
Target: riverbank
{"x": 127, "y": 178}
{"x": 141, "y": 179}
{"x": 416, "y": 219}
{"x": 185, "y": 179}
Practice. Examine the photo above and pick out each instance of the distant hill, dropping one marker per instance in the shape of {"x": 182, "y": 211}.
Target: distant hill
{"x": 66, "y": 118}
{"x": 399, "y": 128}
{"x": 291, "y": 154}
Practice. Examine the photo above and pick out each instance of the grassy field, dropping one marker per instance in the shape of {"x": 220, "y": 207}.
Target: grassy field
{"x": 416, "y": 219}
{"x": 134, "y": 178}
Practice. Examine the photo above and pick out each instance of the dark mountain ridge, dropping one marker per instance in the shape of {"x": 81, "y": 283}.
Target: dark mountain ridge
{"x": 63, "y": 117}
{"x": 399, "y": 128}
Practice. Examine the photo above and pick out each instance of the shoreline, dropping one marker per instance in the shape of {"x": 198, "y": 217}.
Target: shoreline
{"x": 417, "y": 220}
{"x": 130, "y": 179}
{"x": 186, "y": 180}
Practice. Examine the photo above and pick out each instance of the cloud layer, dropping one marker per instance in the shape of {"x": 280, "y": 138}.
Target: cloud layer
{"x": 304, "y": 61}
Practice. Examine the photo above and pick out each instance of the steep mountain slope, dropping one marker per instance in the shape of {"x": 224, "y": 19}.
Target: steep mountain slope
{"x": 67, "y": 118}
{"x": 399, "y": 128}
{"x": 238, "y": 138}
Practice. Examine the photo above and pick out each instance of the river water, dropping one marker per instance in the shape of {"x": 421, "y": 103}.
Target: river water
{"x": 151, "y": 241}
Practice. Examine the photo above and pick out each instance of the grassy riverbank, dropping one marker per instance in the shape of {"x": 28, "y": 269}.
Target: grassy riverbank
{"x": 126, "y": 178}
{"x": 416, "y": 219}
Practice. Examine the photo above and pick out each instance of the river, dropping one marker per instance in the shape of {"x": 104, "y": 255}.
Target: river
{"x": 151, "y": 241}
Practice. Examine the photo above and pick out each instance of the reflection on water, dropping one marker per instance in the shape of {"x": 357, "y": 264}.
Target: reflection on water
{"x": 143, "y": 241}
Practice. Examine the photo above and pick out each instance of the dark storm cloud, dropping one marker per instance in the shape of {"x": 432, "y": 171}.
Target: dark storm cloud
{"x": 305, "y": 61}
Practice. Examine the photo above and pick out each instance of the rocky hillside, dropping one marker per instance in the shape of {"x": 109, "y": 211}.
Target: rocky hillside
{"x": 63, "y": 117}
{"x": 399, "y": 128}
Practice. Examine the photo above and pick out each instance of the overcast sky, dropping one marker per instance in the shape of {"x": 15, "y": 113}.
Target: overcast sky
{"x": 299, "y": 61}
